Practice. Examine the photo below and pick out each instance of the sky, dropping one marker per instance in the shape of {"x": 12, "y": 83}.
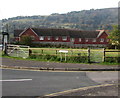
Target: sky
{"x": 13, "y": 8}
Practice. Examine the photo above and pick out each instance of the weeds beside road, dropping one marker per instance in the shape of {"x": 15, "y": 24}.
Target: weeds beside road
{"x": 11, "y": 62}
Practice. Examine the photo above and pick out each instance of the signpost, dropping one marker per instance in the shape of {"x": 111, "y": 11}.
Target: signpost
{"x": 5, "y": 40}
{"x": 63, "y": 51}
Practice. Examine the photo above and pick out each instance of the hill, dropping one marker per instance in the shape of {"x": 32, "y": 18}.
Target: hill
{"x": 85, "y": 20}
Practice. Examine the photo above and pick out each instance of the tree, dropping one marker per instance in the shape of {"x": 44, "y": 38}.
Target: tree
{"x": 26, "y": 40}
{"x": 115, "y": 36}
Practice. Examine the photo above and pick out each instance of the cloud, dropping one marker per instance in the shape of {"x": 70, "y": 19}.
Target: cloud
{"x": 12, "y": 8}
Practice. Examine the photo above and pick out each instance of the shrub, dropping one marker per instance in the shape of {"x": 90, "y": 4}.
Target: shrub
{"x": 112, "y": 59}
{"x": 78, "y": 59}
{"x": 26, "y": 40}
{"x": 75, "y": 59}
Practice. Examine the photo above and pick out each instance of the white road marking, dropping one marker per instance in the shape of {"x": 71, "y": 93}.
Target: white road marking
{"x": 15, "y": 80}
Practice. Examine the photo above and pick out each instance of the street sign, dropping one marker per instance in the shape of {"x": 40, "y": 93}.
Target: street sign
{"x": 63, "y": 51}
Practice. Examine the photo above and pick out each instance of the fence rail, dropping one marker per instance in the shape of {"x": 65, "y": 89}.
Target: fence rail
{"x": 56, "y": 52}
{"x": 112, "y": 52}
{"x": 93, "y": 55}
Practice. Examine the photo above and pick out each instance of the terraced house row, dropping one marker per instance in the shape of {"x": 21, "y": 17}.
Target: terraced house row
{"x": 69, "y": 37}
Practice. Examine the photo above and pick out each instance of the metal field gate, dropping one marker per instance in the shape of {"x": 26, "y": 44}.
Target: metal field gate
{"x": 96, "y": 55}
{"x": 18, "y": 51}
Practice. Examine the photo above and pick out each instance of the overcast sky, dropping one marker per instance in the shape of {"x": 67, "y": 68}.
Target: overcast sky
{"x": 13, "y": 8}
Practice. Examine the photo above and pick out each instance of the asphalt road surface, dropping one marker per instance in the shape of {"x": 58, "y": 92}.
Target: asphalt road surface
{"x": 40, "y": 83}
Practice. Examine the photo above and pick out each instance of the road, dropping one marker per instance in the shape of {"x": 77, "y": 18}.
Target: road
{"x": 40, "y": 83}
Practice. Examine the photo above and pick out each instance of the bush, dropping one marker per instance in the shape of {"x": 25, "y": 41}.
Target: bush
{"x": 26, "y": 40}
{"x": 75, "y": 59}
{"x": 78, "y": 59}
{"x": 112, "y": 59}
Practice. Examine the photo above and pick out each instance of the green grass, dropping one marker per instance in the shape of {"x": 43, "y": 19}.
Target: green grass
{"x": 96, "y": 55}
{"x": 73, "y": 52}
{"x": 108, "y": 63}
{"x": 112, "y": 54}
{"x": 45, "y": 60}
{"x": 0, "y": 53}
{"x": 73, "y": 56}
{"x": 52, "y": 51}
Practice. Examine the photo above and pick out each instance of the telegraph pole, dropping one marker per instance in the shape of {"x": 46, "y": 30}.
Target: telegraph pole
{"x": 5, "y": 38}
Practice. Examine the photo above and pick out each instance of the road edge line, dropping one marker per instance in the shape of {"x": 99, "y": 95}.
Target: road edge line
{"x": 73, "y": 90}
{"x": 59, "y": 69}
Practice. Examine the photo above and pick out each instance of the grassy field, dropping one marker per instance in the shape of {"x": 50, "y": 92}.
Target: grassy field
{"x": 75, "y": 52}
{"x": 73, "y": 55}
{"x": 96, "y": 55}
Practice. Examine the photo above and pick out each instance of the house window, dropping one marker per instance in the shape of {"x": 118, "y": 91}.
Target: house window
{"x": 102, "y": 40}
{"x": 80, "y": 39}
{"x": 64, "y": 38}
{"x": 48, "y": 38}
{"x": 56, "y": 38}
{"x": 72, "y": 39}
{"x": 94, "y": 40}
{"x": 41, "y": 37}
{"x": 86, "y": 40}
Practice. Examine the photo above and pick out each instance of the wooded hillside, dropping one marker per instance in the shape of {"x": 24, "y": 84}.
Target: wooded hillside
{"x": 84, "y": 20}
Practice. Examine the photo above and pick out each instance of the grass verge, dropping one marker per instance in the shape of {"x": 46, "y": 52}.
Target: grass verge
{"x": 48, "y": 58}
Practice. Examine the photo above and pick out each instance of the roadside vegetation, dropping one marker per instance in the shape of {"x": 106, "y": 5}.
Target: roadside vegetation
{"x": 77, "y": 55}
{"x": 73, "y": 55}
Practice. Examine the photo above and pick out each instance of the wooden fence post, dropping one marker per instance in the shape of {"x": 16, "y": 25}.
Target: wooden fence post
{"x": 104, "y": 54}
{"x": 56, "y": 51}
{"x": 89, "y": 55}
{"x": 5, "y": 50}
{"x": 30, "y": 52}
{"x": 42, "y": 51}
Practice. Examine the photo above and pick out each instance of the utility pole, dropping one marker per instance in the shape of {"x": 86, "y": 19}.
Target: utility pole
{"x": 5, "y": 39}
{"x": 7, "y": 30}
{"x": 88, "y": 54}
